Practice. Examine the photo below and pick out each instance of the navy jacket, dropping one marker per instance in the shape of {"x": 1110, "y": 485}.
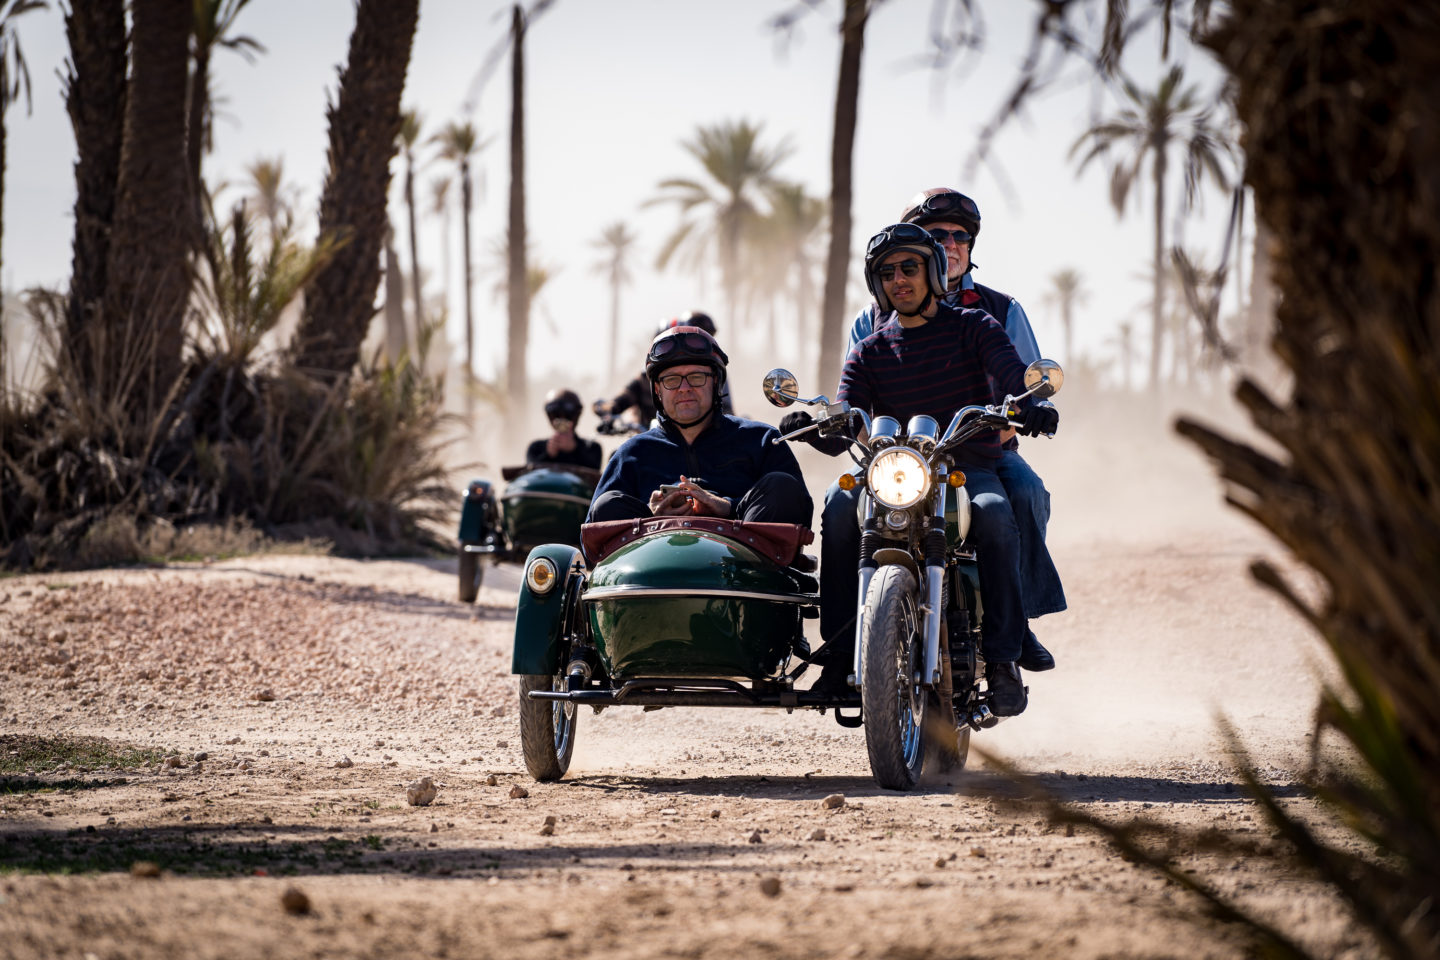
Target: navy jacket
{"x": 727, "y": 458}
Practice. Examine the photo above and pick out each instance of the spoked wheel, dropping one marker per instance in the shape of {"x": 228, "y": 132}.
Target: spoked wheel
{"x": 893, "y": 656}
{"x": 471, "y": 575}
{"x": 547, "y": 728}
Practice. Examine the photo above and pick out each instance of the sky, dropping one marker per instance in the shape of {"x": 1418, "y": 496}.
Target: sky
{"x": 613, "y": 90}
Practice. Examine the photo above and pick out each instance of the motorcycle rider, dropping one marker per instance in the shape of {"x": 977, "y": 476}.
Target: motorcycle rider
{"x": 708, "y": 463}
{"x": 563, "y": 409}
{"x": 637, "y": 393}
{"x": 933, "y": 358}
{"x": 954, "y": 220}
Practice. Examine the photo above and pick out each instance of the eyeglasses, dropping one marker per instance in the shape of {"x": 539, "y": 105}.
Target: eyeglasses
{"x": 961, "y": 236}
{"x": 697, "y": 379}
{"x": 693, "y": 343}
{"x": 907, "y": 267}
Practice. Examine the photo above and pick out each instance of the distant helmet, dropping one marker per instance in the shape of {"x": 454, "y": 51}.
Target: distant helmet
{"x": 692, "y": 319}
{"x": 943, "y": 203}
{"x": 904, "y": 236}
{"x": 563, "y": 405}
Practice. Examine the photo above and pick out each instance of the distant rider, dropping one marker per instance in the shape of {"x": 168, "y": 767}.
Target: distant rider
{"x": 563, "y": 409}
{"x": 711, "y": 464}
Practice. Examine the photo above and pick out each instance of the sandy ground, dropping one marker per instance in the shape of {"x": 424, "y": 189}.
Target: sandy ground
{"x": 315, "y": 689}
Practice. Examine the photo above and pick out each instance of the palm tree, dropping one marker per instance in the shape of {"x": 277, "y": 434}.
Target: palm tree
{"x": 95, "y": 94}
{"x": 14, "y": 75}
{"x": 410, "y": 123}
{"x": 1154, "y": 122}
{"x": 267, "y": 189}
{"x": 1067, "y": 291}
{"x": 214, "y": 19}
{"x": 737, "y": 171}
{"x": 440, "y": 206}
{"x": 364, "y": 124}
{"x": 615, "y": 242}
{"x": 790, "y": 229}
{"x": 458, "y": 143}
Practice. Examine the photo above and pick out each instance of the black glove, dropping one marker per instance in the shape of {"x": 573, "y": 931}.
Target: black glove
{"x": 797, "y": 420}
{"x": 1040, "y": 417}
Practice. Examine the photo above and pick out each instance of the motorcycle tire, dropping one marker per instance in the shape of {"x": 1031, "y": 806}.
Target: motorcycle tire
{"x": 892, "y": 654}
{"x": 472, "y": 574}
{"x": 948, "y": 745}
{"x": 547, "y": 728}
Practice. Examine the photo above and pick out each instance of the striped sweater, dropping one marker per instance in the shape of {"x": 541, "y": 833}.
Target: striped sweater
{"x": 935, "y": 369}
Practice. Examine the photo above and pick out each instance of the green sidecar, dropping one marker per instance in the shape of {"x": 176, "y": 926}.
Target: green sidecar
{"x": 542, "y": 503}
{"x": 667, "y": 611}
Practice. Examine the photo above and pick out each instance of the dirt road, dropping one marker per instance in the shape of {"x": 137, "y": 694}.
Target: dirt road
{"x": 298, "y": 696}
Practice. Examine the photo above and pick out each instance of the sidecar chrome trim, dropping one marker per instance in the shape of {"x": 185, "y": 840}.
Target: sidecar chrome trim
{"x": 541, "y": 495}
{"x": 631, "y": 592}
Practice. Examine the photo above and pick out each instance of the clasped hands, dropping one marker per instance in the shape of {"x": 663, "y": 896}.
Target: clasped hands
{"x": 687, "y": 499}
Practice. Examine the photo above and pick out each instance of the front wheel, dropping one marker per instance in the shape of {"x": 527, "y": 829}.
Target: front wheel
{"x": 547, "y": 728}
{"x": 471, "y": 575}
{"x": 892, "y": 658}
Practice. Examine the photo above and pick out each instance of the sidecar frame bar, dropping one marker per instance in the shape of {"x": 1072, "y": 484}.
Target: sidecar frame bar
{"x": 686, "y": 692}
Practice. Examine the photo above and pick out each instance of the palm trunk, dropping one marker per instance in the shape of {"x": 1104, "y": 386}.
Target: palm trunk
{"x": 1157, "y": 314}
{"x": 842, "y": 149}
{"x": 465, "y": 202}
{"x": 396, "y": 342}
{"x": 364, "y": 126}
{"x": 414, "y": 242}
{"x": 518, "y": 290}
{"x": 1067, "y": 320}
{"x": 195, "y": 139}
{"x": 614, "y": 325}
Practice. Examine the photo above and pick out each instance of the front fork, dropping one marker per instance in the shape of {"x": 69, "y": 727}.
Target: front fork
{"x": 934, "y": 588}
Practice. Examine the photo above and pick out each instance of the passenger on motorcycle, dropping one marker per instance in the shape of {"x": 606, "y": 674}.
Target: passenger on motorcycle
{"x": 954, "y": 220}
{"x": 933, "y": 359}
{"x": 637, "y": 394}
{"x": 563, "y": 408}
{"x": 699, "y": 460}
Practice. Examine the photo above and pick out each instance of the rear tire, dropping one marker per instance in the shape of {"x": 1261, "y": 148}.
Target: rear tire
{"x": 472, "y": 574}
{"x": 891, "y": 655}
{"x": 547, "y": 728}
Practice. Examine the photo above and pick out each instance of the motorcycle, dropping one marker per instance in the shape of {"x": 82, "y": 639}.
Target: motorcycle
{"x": 542, "y": 503}
{"x": 703, "y": 612}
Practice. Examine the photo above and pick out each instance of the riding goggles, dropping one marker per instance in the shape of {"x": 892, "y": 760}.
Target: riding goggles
{"x": 945, "y": 205}
{"x": 897, "y": 234}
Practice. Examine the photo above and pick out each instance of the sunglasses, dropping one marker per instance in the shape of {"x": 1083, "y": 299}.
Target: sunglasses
{"x": 696, "y": 379}
{"x": 907, "y": 267}
{"x": 961, "y": 236}
{"x": 694, "y": 343}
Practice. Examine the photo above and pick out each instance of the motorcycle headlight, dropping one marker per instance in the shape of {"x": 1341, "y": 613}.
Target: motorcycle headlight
{"x": 898, "y": 478}
{"x": 540, "y": 576}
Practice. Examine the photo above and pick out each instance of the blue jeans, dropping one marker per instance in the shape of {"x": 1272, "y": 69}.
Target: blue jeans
{"x": 994, "y": 533}
{"x": 1040, "y": 588}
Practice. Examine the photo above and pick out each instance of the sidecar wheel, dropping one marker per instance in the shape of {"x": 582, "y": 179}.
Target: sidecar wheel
{"x": 894, "y": 705}
{"x": 547, "y": 728}
{"x": 472, "y": 574}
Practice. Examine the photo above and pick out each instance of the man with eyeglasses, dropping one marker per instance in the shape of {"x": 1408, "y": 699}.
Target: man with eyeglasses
{"x": 637, "y": 395}
{"x": 699, "y": 460}
{"x": 954, "y": 219}
{"x": 564, "y": 446}
{"x": 932, "y": 358}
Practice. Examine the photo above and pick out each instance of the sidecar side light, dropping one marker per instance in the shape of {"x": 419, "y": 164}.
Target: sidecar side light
{"x": 847, "y": 482}
{"x": 540, "y": 576}
{"x": 956, "y": 478}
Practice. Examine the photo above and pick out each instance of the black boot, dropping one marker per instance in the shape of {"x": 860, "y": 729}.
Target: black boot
{"x": 1007, "y": 691}
{"x": 1033, "y": 656}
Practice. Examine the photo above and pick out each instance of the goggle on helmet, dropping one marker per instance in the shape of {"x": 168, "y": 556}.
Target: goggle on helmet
{"x": 683, "y": 345}
{"x": 917, "y": 240}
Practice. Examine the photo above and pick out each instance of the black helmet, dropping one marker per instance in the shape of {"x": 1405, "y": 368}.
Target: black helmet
{"x": 692, "y": 319}
{"x": 905, "y": 236}
{"x": 680, "y": 345}
{"x": 943, "y": 203}
{"x": 563, "y": 405}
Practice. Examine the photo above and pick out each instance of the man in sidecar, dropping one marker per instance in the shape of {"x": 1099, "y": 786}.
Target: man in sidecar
{"x": 699, "y": 460}
{"x": 564, "y": 446}
{"x": 934, "y": 359}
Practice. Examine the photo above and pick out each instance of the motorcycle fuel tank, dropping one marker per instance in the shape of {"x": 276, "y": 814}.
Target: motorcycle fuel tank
{"x": 545, "y": 506}
{"x": 683, "y": 604}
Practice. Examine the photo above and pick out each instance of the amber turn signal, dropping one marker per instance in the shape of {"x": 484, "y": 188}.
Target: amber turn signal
{"x": 847, "y": 482}
{"x": 956, "y": 478}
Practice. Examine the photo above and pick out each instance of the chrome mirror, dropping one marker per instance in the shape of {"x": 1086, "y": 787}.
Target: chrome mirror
{"x": 781, "y": 387}
{"x": 1043, "y": 378}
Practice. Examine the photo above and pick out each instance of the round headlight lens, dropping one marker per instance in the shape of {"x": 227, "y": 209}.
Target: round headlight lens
{"x": 540, "y": 575}
{"x": 898, "y": 478}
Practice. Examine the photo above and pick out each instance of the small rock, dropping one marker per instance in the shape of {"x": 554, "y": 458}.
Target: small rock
{"x": 1069, "y": 829}
{"x": 833, "y": 802}
{"x": 669, "y": 812}
{"x": 264, "y": 696}
{"x": 756, "y": 838}
{"x": 201, "y": 757}
{"x": 518, "y": 792}
{"x": 345, "y": 763}
{"x": 492, "y": 780}
{"x": 924, "y": 882}
{"x": 977, "y": 852}
{"x": 550, "y": 820}
{"x": 714, "y": 814}
{"x": 295, "y": 901}
{"x": 770, "y": 886}
{"x": 173, "y": 761}
{"x": 502, "y": 744}
{"x": 145, "y": 869}
{"x": 434, "y": 828}
{"x": 232, "y": 741}
{"x": 421, "y": 793}
{"x": 818, "y": 833}
{"x": 939, "y": 862}
{"x": 547, "y": 830}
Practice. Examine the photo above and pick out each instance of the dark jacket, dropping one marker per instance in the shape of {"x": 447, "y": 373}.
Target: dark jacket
{"x": 728, "y": 458}
{"x": 587, "y": 453}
